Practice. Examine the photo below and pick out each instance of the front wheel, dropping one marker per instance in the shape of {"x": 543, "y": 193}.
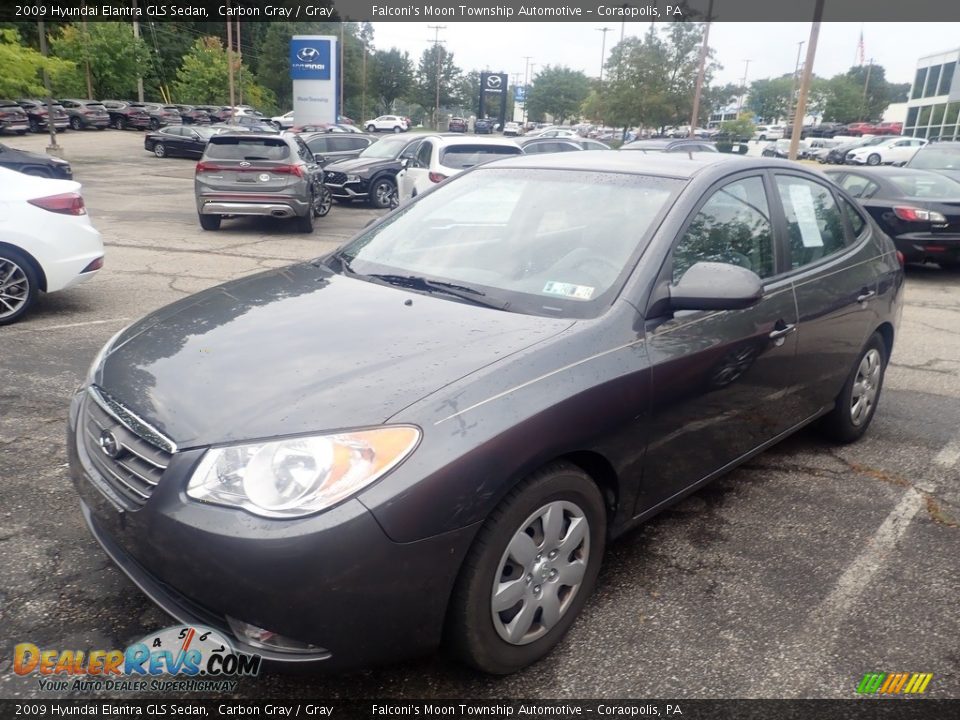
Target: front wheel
{"x": 857, "y": 402}
{"x": 18, "y": 286}
{"x": 531, "y": 568}
{"x": 75, "y": 123}
{"x": 121, "y": 123}
{"x": 873, "y": 159}
{"x": 384, "y": 193}
{"x": 154, "y": 124}
{"x": 397, "y": 129}
{"x": 371, "y": 128}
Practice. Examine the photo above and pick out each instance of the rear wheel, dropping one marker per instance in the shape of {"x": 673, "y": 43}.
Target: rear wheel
{"x": 160, "y": 150}
{"x": 34, "y": 125}
{"x": 857, "y": 401}
{"x": 121, "y": 123}
{"x": 154, "y": 124}
{"x": 75, "y": 123}
{"x": 18, "y": 286}
{"x": 371, "y": 128}
{"x": 873, "y": 159}
{"x": 210, "y": 222}
{"x": 322, "y": 203}
{"x": 397, "y": 129}
{"x": 531, "y": 568}
{"x": 383, "y": 194}
{"x": 305, "y": 222}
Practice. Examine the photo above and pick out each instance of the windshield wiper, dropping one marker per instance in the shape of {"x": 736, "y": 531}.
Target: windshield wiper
{"x": 416, "y": 282}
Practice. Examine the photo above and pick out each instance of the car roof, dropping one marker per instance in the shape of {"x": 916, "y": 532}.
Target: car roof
{"x": 879, "y": 171}
{"x": 458, "y": 139}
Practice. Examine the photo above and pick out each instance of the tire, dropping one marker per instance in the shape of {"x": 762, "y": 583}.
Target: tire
{"x": 19, "y": 291}
{"x": 154, "y": 124}
{"x": 323, "y": 203}
{"x": 305, "y": 222}
{"x": 34, "y": 125}
{"x": 397, "y": 129}
{"x": 477, "y": 631}
{"x": 763, "y": 138}
{"x": 873, "y": 159}
{"x": 371, "y": 128}
{"x": 75, "y": 123}
{"x": 121, "y": 123}
{"x": 38, "y": 172}
{"x": 842, "y": 424}
{"x": 160, "y": 150}
{"x": 382, "y": 193}
{"x": 210, "y": 222}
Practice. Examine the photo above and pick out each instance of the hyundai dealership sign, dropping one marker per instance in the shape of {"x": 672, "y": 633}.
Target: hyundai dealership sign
{"x": 314, "y": 71}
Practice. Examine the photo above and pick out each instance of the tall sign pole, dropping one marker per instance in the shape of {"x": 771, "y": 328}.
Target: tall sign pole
{"x": 436, "y": 52}
{"x": 233, "y": 98}
{"x": 136, "y": 34}
{"x": 53, "y": 148}
{"x": 694, "y": 116}
{"x": 805, "y": 81}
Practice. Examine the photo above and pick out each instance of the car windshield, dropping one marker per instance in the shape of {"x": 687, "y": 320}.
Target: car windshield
{"x": 943, "y": 157}
{"x": 461, "y": 157}
{"x": 247, "y": 148}
{"x": 386, "y": 148}
{"x": 502, "y": 235}
{"x": 926, "y": 185}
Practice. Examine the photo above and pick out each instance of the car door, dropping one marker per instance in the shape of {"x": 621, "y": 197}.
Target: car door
{"x": 835, "y": 281}
{"x": 312, "y": 167}
{"x": 414, "y": 178}
{"x": 318, "y": 146}
{"x": 721, "y": 381}
{"x": 903, "y": 150}
{"x": 174, "y": 140}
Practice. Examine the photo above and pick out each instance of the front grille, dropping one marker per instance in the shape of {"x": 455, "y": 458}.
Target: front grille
{"x": 134, "y": 466}
{"x": 335, "y": 178}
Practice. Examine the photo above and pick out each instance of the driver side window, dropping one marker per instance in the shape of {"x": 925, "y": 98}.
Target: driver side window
{"x": 424, "y": 153}
{"x": 733, "y": 227}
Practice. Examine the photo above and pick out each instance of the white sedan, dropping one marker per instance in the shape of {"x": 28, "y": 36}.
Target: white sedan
{"x": 389, "y": 123}
{"x": 895, "y": 151}
{"x": 437, "y": 158}
{"x": 47, "y": 242}
{"x": 283, "y": 122}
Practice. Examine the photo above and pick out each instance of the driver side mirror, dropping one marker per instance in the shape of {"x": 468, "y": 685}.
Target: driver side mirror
{"x": 404, "y": 163}
{"x": 319, "y": 159}
{"x": 716, "y": 286}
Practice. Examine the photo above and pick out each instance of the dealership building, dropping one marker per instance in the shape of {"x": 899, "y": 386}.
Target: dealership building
{"x": 934, "y": 106}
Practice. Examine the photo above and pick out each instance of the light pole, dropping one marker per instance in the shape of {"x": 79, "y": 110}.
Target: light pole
{"x": 526, "y": 86}
{"x": 436, "y": 45}
{"x": 694, "y": 116}
{"x": 805, "y": 80}
{"x": 603, "y": 49}
{"x": 53, "y": 148}
{"x": 793, "y": 87}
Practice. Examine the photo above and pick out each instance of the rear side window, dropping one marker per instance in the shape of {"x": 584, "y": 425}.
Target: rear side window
{"x": 814, "y": 223}
{"x": 859, "y": 186}
{"x": 466, "y": 156}
{"x": 237, "y": 148}
{"x": 857, "y": 222}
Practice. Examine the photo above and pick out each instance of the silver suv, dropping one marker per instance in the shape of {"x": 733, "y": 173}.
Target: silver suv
{"x": 255, "y": 174}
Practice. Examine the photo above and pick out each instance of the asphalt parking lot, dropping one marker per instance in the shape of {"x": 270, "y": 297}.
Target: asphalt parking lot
{"x": 791, "y": 577}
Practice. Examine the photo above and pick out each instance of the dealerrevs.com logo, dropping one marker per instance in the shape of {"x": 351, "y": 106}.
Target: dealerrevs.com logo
{"x": 180, "y": 658}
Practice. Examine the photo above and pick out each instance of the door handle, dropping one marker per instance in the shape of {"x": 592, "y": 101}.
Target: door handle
{"x": 781, "y": 332}
{"x": 864, "y": 296}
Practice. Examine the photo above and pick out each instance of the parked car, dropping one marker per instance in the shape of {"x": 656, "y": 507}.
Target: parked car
{"x": 388, "y": 123}
{"x": 160, "y": 115}
{"x": 36, "y": 164}
{"x": 892, "y": 151}
{"x": 13, "y": 118}
{"x": 762, "y": 133}
{"x": 251, "y": 123}
{"x": 869, "y": 128}
{"x": 666, "y": 145}
{"x": 438, "y": 158}
{"x": 47, "y": 242}
{"x": 838, "y": 154}
{"x": 827, "y": 130}
{"x": 511, "y": 129}
{"x": 333, "y": 147}
{"x": 283, "y": 122}
{"x": 192, "y": 115}
{"x": 125, "y": 114}
{"x": 457, "y": 124}
{"x": 470, "y": 399}
{"x": 38, "y": 112}
{"x": 554, "y": 132}
{"x": 86, "y": 114}
{"x": 217, "y": 113}
{"x": 781, "y": 149}
{"x": 259, "y": 174}
{"x": 535, "y": 145}
{"x": 919, "y": 209}
{"x": 940, "y": 157}
{"x": 484, "y": 126}
{"x": 180, "y": 140}
{"x": 372, "y": 175}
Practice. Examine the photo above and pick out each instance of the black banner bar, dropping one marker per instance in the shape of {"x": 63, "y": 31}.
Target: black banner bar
{"x": 478, "y": 10}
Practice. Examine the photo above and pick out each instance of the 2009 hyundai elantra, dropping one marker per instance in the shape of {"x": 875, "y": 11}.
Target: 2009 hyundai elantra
{"x": 429, "y": 436}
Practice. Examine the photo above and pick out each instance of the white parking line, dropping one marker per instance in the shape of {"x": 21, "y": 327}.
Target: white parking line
{"x": 949, "y": 455}
{"x": 27, "y": 328}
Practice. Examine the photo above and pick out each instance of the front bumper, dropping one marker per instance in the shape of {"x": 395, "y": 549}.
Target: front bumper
{"x": 334, "y": 579}
{"x": 359, "y": 190}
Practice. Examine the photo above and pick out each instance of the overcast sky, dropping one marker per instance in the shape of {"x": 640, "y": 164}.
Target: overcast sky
{"x": 771, "y": 47}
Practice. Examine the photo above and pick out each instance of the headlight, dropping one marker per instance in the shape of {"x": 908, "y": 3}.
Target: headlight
{"x": 301, "y": 475}
{"x": 353, "y": 178}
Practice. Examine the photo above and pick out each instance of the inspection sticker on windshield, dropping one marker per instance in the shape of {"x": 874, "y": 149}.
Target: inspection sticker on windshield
{"x": 580, "y": 292}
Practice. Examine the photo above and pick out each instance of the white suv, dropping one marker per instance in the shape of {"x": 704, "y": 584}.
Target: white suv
{"x": 762, "y": 133}
{"x": 438, "y": 157}
{"x": 895, "y": 151}
{"x": 389, "y": 123}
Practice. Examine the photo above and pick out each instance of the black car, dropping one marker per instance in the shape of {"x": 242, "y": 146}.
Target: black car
{"x": 125, "y": 114}
{"x": 31, "y": 163}
{"x": 86, "y": 114}
{"x": 919, "y": 209}
{"x": 824, "y": 130}
{"x": 193, "y": 115}
{"x": 217, "y": 113}
{"x": 430, "y": 434}
{"x": 667, "y": 145}
{"x": 372, "y": 175}
{"x": 179, "y": 140}
{"x": 38, "y": 112}
{"x": 838, "y": 155}
{"x": 938, "y": 157}
{"x": 484, "y": 126}
{"x": 535, "y": 145}
{"x": 13, "y": 118}
{"x": 329, "y": 147}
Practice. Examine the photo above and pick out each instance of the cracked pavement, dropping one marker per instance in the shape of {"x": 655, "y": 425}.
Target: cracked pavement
{"x": 790, "y": 577}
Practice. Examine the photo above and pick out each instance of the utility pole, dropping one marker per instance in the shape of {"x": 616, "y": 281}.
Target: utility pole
{"x": 743, "y": 87}
{"x": 694, "y": 116}
{"x": 52, "y": 148}
{"x": 340, "y": 108}
{"x": 136, "y": 34}
{"x": 793, "y": 87}
{"x": 436, "y": 54}
{"x": 603, "y": 49}
{"x": 233, "y": 97}
{"x": 86, "y": 62}
{"x": 866, "y": 84}
{"x": 526, "y": 88}
{"x": 363, "y": 75}
{"x": 805, "y": 81}
{"x": 239, "y": 65}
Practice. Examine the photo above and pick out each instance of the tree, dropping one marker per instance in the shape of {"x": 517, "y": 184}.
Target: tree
{"x": 557, "y": 91}
{"x": 391, "y": 77}
{"x": 115, "y": 57}
{"x": 844, "y": 100}
{"x": 741, "y": 128}
{"x": 203, "y": 78}
{"x": 434, "y": 62}
{"x": 770, "y": 98}
{"x": 682, "y": 56}
{"x": 635, "y": 93}
{"x": 22, "y": 67}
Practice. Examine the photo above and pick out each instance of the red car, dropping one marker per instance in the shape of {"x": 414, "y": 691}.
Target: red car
{"x": 868, "y": 128}
{"x": 457, "y": 124}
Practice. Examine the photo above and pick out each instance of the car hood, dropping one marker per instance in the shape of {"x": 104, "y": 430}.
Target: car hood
{"x": 301, "y": 349}
{"x": 359, "y": 165}
{"x": 10, "y": 154}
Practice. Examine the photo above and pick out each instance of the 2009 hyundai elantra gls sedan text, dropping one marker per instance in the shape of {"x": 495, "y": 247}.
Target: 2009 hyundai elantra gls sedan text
{"x": 427, "y": 437}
